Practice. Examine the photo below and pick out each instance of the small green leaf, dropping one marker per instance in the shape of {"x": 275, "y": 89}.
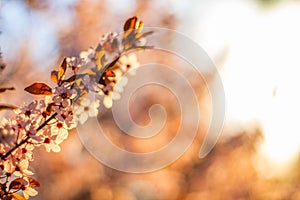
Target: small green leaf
{"x": 100, "y": 57}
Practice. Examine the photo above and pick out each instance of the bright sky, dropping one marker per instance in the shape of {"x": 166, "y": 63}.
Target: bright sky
{"x": 39, "y": 30}
{"x": 261, "y": 73}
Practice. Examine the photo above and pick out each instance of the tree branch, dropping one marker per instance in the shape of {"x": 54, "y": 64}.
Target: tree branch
{"x": 3, "y": 157}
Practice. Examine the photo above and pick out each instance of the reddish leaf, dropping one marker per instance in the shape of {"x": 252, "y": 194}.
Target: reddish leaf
{"x": 39, "y": 89}
{"x": 62, "y": 70}
{"x": 18, "y": 197}
{"x": 110, "y": 73}
{"x": 49, "y": 107}
{"x": 7, "y": 88}
{"x": 54, "y": 76}
{"x": 133, "y": 23}
{"x": 15, "y": 184}
{"x": 8, "y": 107}
{"x": 33, "y": 182}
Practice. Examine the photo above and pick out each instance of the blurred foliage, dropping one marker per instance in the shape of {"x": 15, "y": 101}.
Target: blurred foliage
{"x": 268, "y": 3}
{"x": 228, "y": 172}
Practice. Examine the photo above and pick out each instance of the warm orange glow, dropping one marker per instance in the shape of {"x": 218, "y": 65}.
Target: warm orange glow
{"x": 261, "y": 73}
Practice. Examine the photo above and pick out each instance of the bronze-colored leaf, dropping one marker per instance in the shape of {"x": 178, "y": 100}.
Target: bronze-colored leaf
{"x": 54, "y": 76}
{"x": 110, "y": 73}
{"x": 33, "y": 182}
{"x": 49, "y": 107}
{"x": 15, "y": 184}
{"x": 18, "y": 197}
{"x": 39, "y": 89}
{"x": 6, "y": 88}
{"x": 133, "y": 24}
{"x": 62, "y": 70}
{"x": 7, "y": 107}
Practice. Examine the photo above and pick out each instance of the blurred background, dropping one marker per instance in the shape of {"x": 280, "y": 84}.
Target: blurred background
{"x": 255, "y": 45}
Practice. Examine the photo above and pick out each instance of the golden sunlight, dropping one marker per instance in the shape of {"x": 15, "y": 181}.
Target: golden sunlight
{"x": 261, "y": 73}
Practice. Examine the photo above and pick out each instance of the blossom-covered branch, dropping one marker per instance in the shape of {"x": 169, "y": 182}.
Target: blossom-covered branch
{"x": 46, "y": 122}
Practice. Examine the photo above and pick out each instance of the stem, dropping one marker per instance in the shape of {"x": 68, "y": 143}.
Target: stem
{"x": 72, "y": 78}
{"x": 102, "y": 70}
{"x": 46, "y": 122}
{"x": 27, "y": 137}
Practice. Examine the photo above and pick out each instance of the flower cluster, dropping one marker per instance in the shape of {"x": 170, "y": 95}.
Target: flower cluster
{"x": 46, "y": 122}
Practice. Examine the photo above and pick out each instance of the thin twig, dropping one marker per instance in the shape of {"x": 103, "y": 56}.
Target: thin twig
{"x": 27, "y": 137}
